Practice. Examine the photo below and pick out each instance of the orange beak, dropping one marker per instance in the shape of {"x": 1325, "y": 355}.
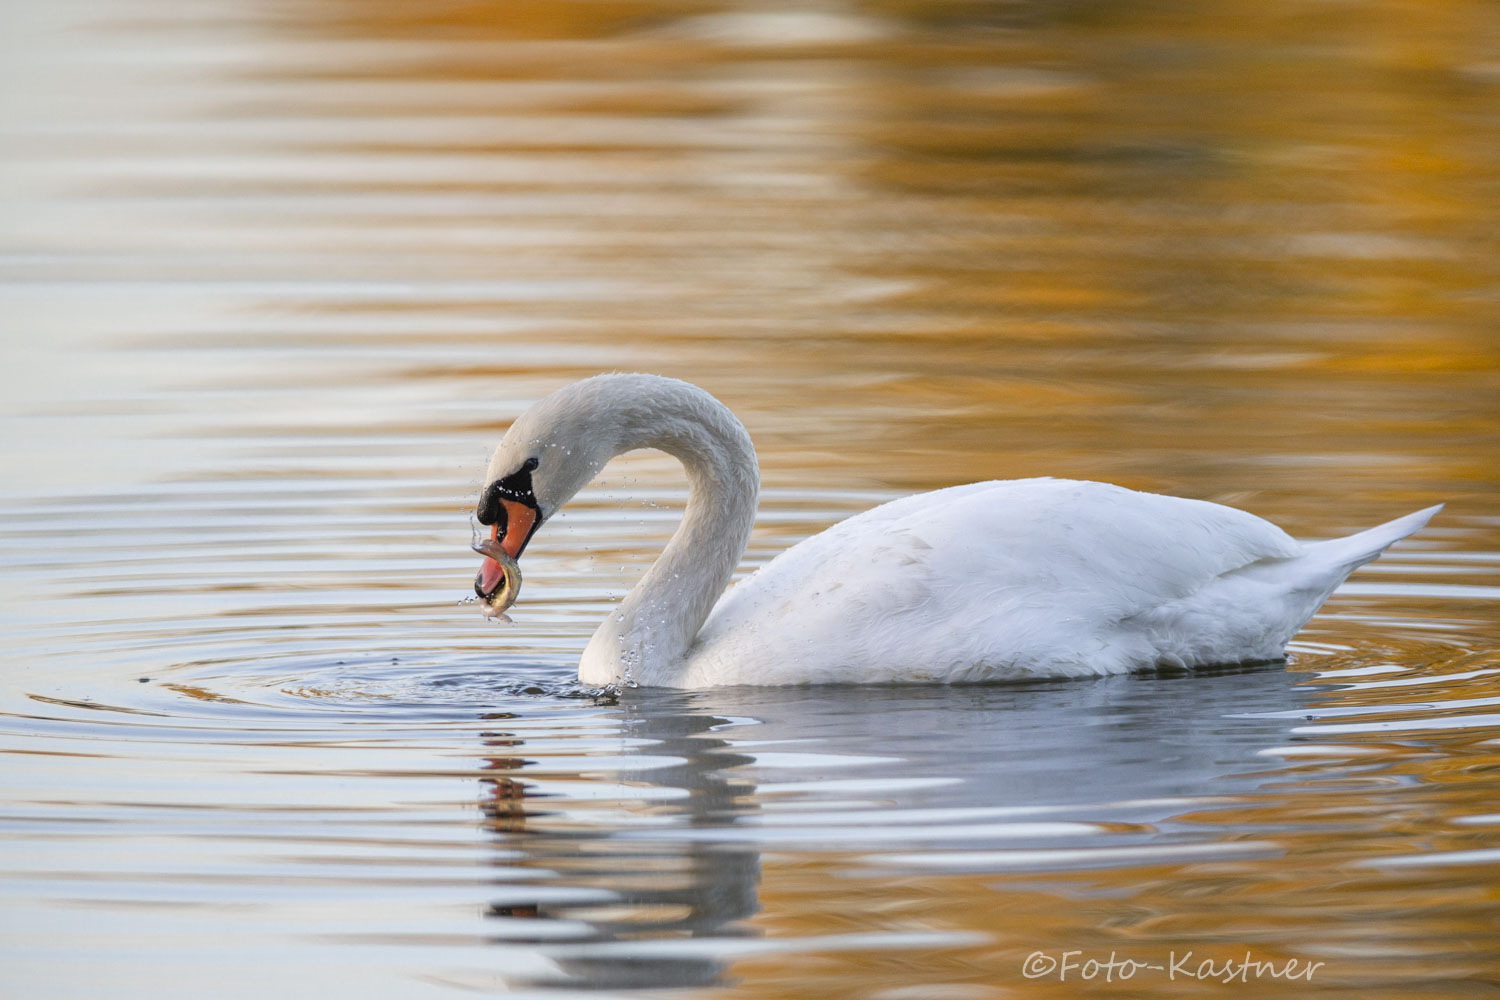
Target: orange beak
{"x": 520, "y": 520}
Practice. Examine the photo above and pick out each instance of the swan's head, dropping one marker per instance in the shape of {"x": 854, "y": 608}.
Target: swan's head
{"x": 549, "y": 454}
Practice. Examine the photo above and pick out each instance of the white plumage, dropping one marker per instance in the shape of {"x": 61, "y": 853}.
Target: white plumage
{"x": 1035, "y": 577}
{"x": 1025, "y": 578}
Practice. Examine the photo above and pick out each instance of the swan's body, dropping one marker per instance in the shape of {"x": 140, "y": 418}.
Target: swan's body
{"x": 1024, "y": 578}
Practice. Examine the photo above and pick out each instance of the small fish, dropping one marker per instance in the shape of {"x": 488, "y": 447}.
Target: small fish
{"x": 498, "y": 601}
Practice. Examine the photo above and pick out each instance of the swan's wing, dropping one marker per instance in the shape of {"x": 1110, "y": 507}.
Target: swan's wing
{"x": 986, "y": 577}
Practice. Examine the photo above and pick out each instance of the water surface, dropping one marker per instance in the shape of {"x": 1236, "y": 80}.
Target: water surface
{"x": 276, "y": 277}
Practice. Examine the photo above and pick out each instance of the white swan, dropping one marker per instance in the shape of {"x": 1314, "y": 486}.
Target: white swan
{"x": 1032, "y": 577}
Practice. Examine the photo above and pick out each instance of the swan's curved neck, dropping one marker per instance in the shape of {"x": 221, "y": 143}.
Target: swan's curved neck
{"x": 647, "y": 638}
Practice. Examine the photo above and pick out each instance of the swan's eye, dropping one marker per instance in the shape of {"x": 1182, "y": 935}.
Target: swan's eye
{"x": 515, "y": 487}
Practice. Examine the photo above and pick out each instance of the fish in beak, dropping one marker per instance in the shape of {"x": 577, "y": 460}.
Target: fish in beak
{"x": 509, "y": 507}
{"x": 498, "y": 582}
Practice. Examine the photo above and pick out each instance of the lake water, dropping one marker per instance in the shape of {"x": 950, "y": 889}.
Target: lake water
{"x": 275, "y": 277}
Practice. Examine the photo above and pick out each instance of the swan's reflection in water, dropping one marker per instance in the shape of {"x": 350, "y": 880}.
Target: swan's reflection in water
{"x": 647, "y": 869}
{"x": 644, "y": 889}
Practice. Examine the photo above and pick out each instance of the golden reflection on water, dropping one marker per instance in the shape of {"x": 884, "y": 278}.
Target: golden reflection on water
{"x": 280, "y": 274}
{"x": 911, "y": 244}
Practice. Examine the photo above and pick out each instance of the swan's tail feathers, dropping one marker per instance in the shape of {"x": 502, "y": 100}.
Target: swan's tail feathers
{"x": 1355, "y": 550}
